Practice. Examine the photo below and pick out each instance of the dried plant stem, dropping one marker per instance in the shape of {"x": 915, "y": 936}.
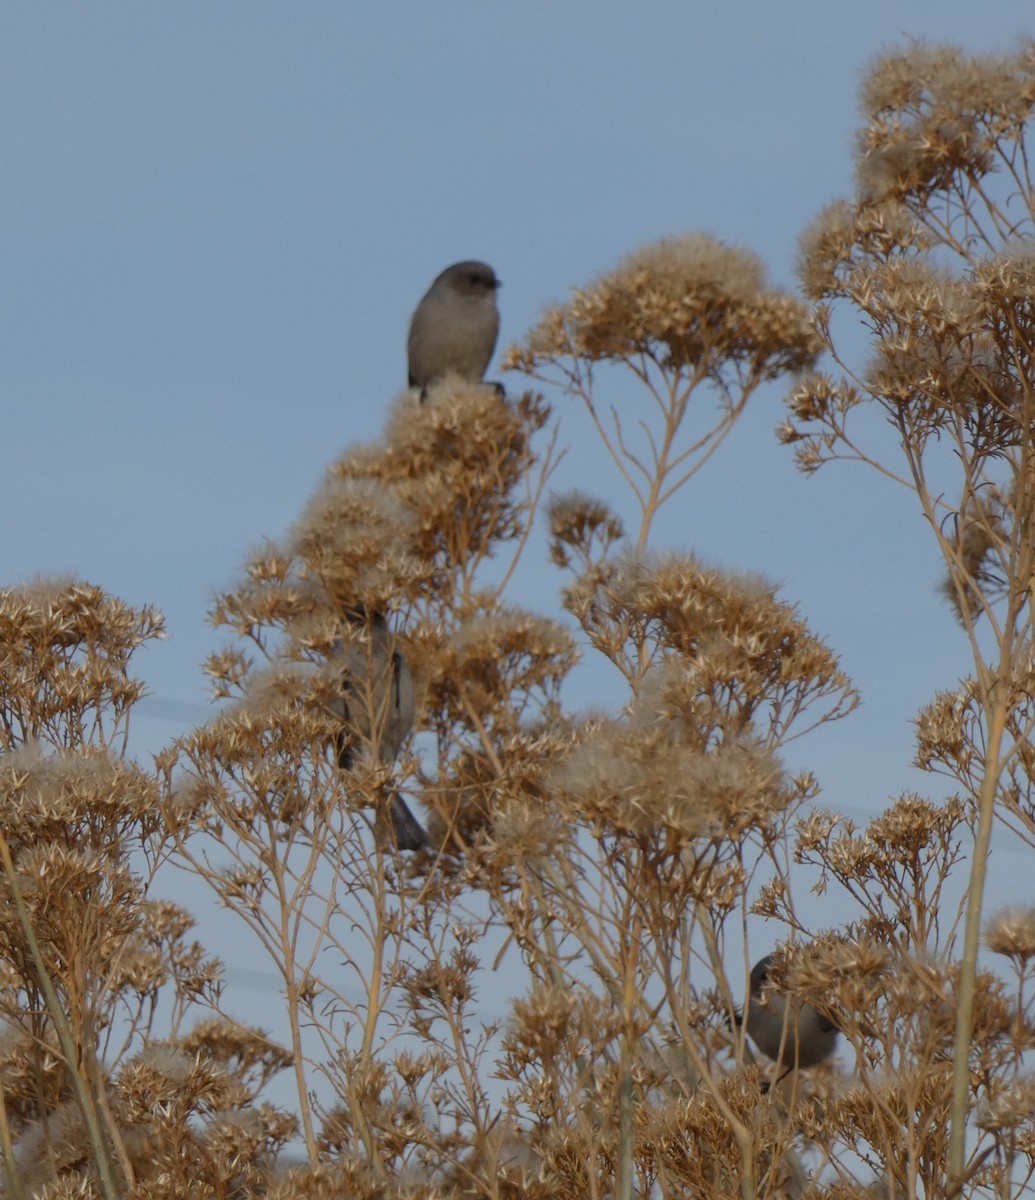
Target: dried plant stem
{"x": 293, "y": 999}
{"x": 972, "y": 932}
{"x": 626, "y": 1117}
{"x": 15, "y": 1185}
{"x": 99, "y": 1094}
{"x": 87, "y": 1106}
{"x": 743, "y": 1135}
{"x": 551, "y": 460}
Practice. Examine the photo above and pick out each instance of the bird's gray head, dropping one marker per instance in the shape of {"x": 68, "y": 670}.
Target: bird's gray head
{"x": 760, "y": 974}
{"x": 472, "y": 278}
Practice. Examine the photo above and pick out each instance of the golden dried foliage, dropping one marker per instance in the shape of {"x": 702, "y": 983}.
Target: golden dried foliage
{"x": 90, "y": 1099}
{"x": 605, "y": 864}
{"x": 934, "y": 255}
{"x": 688, "y": 318}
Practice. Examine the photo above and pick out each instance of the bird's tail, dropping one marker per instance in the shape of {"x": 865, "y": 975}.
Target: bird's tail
{"x": 410, "y": 834}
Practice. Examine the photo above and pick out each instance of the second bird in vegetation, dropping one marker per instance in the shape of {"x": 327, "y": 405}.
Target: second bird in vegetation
{"x": 790, "y": 1034}
{"x": 454, "y": 328}
{"x": 377, "y": 711}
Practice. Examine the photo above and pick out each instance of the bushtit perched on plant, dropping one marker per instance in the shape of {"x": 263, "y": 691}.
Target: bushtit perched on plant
{"x": 793, "y": 1035}
{"x": 454, "y": 327}
{"x": 377, "y": 710}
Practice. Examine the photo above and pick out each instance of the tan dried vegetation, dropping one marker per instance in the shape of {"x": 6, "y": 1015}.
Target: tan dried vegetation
{"x": 604, "y": 866}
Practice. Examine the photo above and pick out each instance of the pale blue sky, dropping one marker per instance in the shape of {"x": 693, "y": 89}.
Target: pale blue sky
{"x": 216, "y": 218}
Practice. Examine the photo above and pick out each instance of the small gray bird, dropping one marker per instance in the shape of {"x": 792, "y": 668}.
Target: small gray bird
{"x": 377, "y": 710}
{"x": 454, "y": 328}
{"x": 793, "y": 1035}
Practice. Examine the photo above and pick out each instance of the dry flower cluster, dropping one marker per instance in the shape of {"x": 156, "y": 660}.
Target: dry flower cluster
{"x": 607, "y": 862}
{"x": 935, "y": 256}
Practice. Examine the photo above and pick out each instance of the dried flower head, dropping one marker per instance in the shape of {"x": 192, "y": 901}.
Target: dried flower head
{"x": 844, "y": 238}
{"x": 65, "y": 648}
{"x": 1010, "y": 1107}
{"x": 689, "y": 301}
{"x": 936, "y": 115}
{"x": 583, "y": 525}
{"x": 744, "y": 662}
{"x": 357, "y": 538}
{"x": 1011, "y": 932}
